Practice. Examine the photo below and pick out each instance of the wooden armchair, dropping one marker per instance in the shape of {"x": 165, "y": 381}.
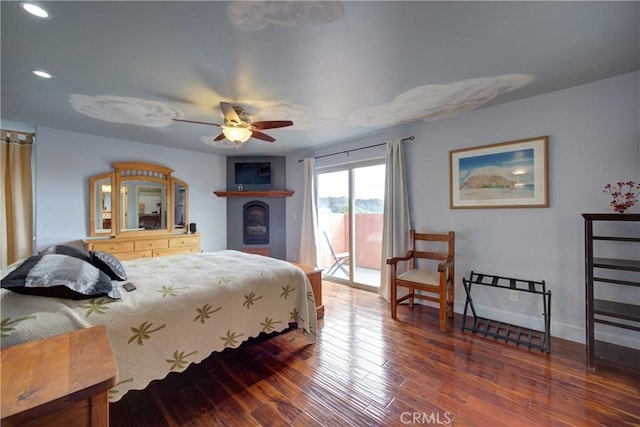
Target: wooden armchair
{"x": 430, "y": 272}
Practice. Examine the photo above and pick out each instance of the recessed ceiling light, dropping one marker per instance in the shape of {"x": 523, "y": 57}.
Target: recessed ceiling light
{"x": 42, "y": 74}
{"x": 34, "y": 9}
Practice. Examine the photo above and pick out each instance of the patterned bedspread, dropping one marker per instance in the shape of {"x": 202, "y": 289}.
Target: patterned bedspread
{"x": 184, "y": 308}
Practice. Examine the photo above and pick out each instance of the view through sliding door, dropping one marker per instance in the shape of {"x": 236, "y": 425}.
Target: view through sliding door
{"x": 350, "y": 213}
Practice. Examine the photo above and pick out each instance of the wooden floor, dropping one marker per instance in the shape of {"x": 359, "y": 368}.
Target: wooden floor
{"x": 367, "y": 369}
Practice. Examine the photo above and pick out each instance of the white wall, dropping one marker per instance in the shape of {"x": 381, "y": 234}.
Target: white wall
{"x": 65, "y": 161}
{"x": 594, "y": 139}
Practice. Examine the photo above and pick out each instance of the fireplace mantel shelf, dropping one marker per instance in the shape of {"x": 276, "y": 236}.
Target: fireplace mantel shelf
{"x": 281, "y": 193}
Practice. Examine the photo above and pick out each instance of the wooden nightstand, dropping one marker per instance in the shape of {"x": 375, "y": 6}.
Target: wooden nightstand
{"x": 62, "y": 380}
{"x": 315, "y": 277}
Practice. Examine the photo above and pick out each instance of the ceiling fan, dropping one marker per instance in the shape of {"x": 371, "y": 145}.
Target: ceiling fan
{"x": 238, "y": 127}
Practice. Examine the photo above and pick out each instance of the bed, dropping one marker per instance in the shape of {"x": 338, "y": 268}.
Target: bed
{"x": 184, "y": 308}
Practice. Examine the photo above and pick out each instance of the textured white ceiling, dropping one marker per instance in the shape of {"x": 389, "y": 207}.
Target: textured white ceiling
{"x": 338, "y": 70}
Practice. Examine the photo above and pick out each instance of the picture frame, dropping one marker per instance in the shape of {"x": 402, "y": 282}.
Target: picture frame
{"x": 511, "y": 174}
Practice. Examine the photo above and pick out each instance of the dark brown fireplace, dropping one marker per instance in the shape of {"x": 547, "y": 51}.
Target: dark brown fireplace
{"x": 255, "y": 223}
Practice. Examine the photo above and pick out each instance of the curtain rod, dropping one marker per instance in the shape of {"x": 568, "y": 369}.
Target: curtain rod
{"x": 410, "y": 138}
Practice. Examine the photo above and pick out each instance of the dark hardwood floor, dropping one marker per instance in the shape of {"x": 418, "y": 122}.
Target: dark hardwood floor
{"x": 367, "y": 370}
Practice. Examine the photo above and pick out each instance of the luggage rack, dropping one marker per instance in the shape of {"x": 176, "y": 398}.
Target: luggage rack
{"x": 511, "y": 333}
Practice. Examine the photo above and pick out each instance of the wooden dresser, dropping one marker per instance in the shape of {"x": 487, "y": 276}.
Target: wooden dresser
{"x": 61, "y": 380}
{"x": 126, "y": 248}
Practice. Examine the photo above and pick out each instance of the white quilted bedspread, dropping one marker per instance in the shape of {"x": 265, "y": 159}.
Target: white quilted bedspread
{"x": 184, "y": 308}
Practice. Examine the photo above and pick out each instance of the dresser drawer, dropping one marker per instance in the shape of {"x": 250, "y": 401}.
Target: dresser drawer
{"x": 126, "y": 256}
{"x": 175, "y": 251}
{"x": 182, "y": 241}
{"x": 147, "y": 247}
{"x": 112, "y": 246}
{"x": 141, "y": 245}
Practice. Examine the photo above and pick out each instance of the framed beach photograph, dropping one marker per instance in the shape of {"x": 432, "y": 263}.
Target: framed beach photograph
{"x": 510, "y": 174}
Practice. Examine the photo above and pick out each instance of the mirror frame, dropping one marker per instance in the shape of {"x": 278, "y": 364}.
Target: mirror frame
{"x": 175, "y": 183}
{"x": 93, "y": 211}
{"x": 138, "y": 171}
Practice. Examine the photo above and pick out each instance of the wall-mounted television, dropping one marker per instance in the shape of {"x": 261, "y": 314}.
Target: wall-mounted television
{"x": 253, "y": 173}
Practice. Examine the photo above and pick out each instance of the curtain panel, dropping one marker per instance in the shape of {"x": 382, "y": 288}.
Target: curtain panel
{"x": 16, "y": 216}
{"x": 396, "y": 225}
{"x": 309, "y": 226}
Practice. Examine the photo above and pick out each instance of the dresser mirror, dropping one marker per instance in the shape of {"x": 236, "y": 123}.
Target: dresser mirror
{"x": 150, "y": 201}
{"x": 143, "y": 205}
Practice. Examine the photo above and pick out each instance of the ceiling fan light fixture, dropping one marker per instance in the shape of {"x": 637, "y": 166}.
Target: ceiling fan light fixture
{"x": 237, "y": 135}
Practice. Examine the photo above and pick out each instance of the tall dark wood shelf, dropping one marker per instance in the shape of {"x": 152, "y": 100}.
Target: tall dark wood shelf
{"x": 617, "y": 264}
{"x": 603, "y": 311}
{"x": 281, "y": 193}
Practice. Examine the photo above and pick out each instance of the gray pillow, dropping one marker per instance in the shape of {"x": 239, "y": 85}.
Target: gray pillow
{"x": 109, "y": 264}
{"x": 67, "y": 250}
{"x": 18, "y": 276}
{"x": 60, "y": 276}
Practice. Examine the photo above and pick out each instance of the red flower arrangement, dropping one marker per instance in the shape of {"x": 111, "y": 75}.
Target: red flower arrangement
{"x": 624, "y": 194}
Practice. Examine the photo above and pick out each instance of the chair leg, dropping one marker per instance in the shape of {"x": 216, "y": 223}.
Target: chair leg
{"x": 341, "y": 267}
{"x": 330, "y": 271}
{"x": 443, "y": 317}
{"x": 394, "y": 300}
{"x": 443, "y": 310}
{"x": 450, "y": 299}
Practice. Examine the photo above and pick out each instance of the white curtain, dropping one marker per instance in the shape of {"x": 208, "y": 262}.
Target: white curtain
{"x": 308, "y": 252}
{"x": 16, "y": 205}
{"x": 396, "y": 225}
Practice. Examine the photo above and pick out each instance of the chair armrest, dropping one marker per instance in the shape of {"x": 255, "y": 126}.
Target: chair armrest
{"x": 444, "y": 266}
{"x": 395, "y": 260}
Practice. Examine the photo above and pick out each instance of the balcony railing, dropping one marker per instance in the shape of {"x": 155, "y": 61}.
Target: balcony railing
{"x": 368, "y": 243}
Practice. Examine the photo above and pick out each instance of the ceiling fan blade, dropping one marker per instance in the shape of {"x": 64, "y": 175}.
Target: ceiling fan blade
{"x": 229, "y": 113}
{"x": 219, "y": 137}
{"x": 272, "y": 124}
{"x": 196, "y": 122}
{"x": 263, "y": 136}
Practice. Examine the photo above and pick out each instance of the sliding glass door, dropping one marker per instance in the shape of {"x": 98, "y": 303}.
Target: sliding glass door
{"x": 350, "y": 211}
